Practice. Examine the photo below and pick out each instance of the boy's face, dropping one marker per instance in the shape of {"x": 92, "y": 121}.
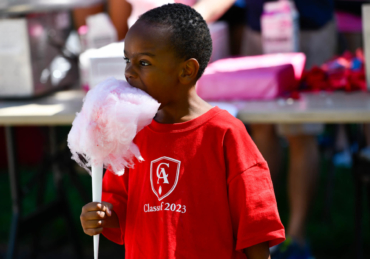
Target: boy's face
{"x": 152, "y": 65}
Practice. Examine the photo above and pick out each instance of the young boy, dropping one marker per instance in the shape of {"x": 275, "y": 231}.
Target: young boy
{"x": 204, "y": 190}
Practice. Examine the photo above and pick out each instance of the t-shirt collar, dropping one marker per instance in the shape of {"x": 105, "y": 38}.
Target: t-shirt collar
{"x": 184, "y": 126}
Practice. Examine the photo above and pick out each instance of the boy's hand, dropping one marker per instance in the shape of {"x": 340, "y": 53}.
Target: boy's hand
{"x": 95, "y": 216}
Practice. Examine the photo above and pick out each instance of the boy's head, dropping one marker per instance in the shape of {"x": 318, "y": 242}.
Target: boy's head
{"x": 167, "y": 45}
{"x": 189, "y": 33}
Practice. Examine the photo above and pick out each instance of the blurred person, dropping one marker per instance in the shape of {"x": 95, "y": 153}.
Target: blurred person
{"x": 348, "y": 16}
{"x": 235, "y": 17}
{"x": 318, "y": 42}
{"x": 120, "y": 11}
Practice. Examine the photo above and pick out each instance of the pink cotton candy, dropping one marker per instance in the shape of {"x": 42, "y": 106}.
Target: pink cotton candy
{"x": 103, "y": 132}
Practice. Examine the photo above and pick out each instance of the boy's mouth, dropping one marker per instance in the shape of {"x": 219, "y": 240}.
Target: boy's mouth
{"x": 129, "y": 81}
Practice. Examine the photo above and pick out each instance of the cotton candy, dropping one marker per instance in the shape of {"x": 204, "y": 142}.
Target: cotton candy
{"x": 112, "y": 114}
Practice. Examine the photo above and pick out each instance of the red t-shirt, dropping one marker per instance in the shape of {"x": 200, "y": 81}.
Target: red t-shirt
{"x": 203, "y": 191}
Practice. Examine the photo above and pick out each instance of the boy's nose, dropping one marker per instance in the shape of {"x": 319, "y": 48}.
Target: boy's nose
{"x": 129, "y": 72}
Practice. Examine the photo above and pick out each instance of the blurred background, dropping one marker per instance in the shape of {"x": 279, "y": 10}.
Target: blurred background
{"x": 293, "y": 71}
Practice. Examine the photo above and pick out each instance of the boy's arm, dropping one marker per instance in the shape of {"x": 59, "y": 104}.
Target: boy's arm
{"x": 259, "y": 251}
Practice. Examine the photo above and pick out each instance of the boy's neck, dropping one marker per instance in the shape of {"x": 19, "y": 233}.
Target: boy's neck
{"x": 183, "y": 109}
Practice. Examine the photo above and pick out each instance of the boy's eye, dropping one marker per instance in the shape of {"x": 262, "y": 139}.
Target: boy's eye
{"x": 144, "y": 63}
{"x": 126, "y": 60}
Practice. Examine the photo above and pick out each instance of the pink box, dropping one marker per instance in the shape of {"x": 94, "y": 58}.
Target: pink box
{"x": 262, "y": 77}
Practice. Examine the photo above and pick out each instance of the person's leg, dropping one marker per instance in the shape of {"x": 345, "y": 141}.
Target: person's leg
{"x": 302, "y": 179}
{"x": 365, "y": 151}
{"x": 302, "y": 173}
{"x": 304, "y": 153}
{"x": 342, "y": 155}
{"x": 267, "y": 141}
{"x": 367, "y": 133}
{"x": 264, "y": 135}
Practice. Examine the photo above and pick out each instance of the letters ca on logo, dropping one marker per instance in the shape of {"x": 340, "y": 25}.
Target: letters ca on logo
{"x": 164, "y": 174}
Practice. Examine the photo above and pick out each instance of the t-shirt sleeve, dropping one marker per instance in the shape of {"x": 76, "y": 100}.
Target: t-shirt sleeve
{"x": 115, "y": 190}
{"x": 254, "y": 213}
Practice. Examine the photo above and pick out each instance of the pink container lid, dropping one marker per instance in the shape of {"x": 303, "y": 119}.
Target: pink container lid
{"x": 262, "y": 77}
{"x": 297, "y": 60}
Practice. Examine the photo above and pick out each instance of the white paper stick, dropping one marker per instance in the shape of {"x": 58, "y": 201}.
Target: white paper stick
{"x": 97, "y": 178}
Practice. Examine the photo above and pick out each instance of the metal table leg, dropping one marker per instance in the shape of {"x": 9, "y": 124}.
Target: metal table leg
{"x": 62, "y": 195}
{"x": 15, "y": 192}
{"x": 44, "y": 213}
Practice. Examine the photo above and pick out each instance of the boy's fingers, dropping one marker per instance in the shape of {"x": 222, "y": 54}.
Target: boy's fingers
{"x": 93, "y": 231}
{"x": 93, "y": 224}
{"x": 107, "y": 207}
{"x": 93, "y": 215}
{"x": 92, "y": 206}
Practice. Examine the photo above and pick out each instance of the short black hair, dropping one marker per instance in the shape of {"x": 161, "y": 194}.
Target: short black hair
{"x": 190, "y": 36}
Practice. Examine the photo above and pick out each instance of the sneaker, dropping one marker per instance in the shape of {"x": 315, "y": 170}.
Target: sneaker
{"x": 290, "y": 249}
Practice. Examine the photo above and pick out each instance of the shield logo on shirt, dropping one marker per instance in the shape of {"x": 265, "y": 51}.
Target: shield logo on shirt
{"x": 164, "y": 174}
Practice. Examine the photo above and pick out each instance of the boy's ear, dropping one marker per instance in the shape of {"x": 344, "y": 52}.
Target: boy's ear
{"x": 189, "y": 71}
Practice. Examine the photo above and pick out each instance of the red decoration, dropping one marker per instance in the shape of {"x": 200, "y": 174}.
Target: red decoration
{"x": 346, "y": 73}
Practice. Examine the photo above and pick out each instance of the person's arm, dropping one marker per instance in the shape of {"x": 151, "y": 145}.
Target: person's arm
{"x": 259, "y": 251}
{"x": 119, "y": 12}
{"x": 80, "y": 14}
{"x": 211, "y": 10}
